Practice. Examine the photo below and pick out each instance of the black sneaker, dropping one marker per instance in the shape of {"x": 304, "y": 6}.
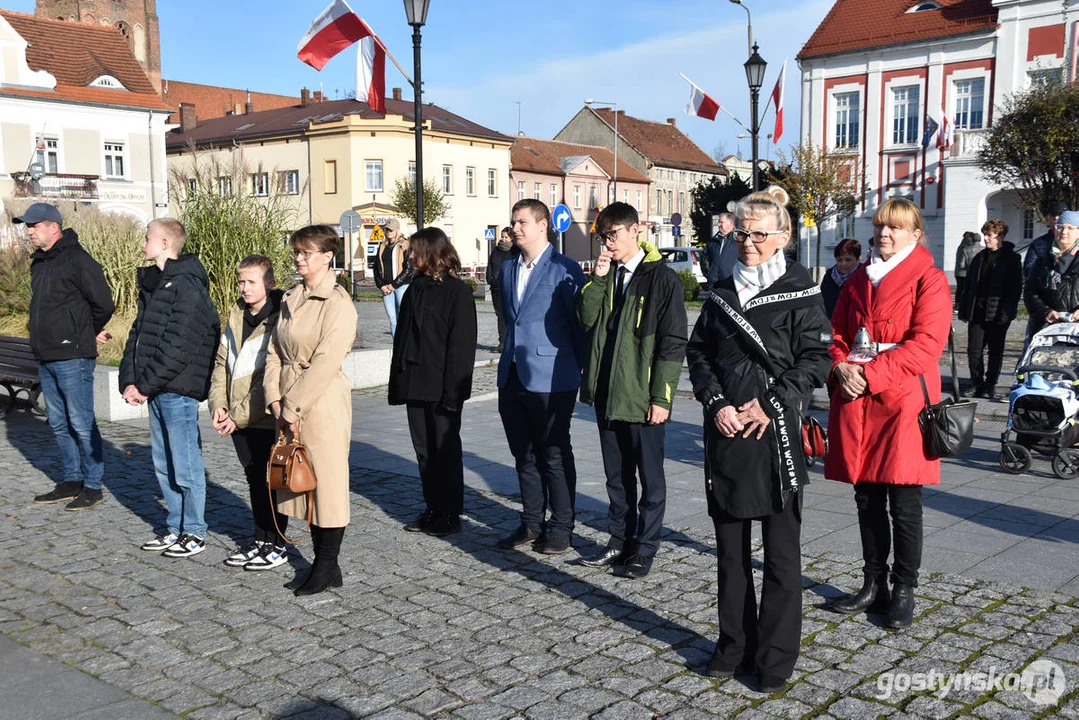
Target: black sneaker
{"x": 553, "y": 544}
{"x": 522, "y": 536}
{"x": 63, "y": 491}
{"x": 86, "y": 499}
{"x": 421, "y": 523}
{"x": 444, "y": 525}
{"x": 186, "y": 546}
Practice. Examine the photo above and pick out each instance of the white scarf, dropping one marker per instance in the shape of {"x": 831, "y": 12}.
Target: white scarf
{"x": 750, "y": 281}
{"x": 879, "y": 267}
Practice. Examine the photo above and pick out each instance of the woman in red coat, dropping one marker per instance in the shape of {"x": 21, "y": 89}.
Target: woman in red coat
{"x": 905, "y": 304}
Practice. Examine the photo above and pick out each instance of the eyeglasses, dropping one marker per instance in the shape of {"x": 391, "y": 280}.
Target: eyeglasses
{"x": 757, "y": 236}
{"x": 306, "y": 253}
{"x": 611, "y": 235}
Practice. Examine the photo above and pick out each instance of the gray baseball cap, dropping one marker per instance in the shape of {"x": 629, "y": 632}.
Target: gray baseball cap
{"x": 39, "y": 212}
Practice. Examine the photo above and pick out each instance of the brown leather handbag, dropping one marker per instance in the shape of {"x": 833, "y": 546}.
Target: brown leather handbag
{"x": 291, "y": 471}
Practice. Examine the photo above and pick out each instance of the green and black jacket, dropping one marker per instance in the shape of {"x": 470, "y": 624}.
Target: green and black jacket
{"x": 650, "y": 338}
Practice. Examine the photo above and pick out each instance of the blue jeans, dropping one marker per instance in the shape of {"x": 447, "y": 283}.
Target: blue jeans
{"x": 68, "y": 387}
{"x": 393, "y": 306}
{"x": 177, "y": 451}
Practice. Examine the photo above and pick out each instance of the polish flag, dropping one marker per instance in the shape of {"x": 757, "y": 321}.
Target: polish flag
{"x": 331, "y": 32}
{"x": 700, "y": 103}
{"x": 944, "y": 137}
{"x": 371, "y": 73}
{"x": 777, "y": 100}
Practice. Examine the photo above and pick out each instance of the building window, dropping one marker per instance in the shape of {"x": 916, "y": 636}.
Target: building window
{"x": 470, "y": 181}
{"x": 192, "y": 187}
{"x": 905, "y": 103}
{"x": 48, "y": 154}
{"x": 681, "y": 202}
{"x": 260, "y": 184}
{"x": 1029, "y": 218}
{"x": 638, "y": 206}
{"x": 625, "y": 196}
{"x": 670, "y": 202}
{"x": 224, "y": 186}
{"x": 847, "y": 120}
{"x": 114, "y": 160}
{"x": 372, "y": 176}
{"x": 447, "y": 179}
{"x": 329, "y": 176}
{"x": 659, "y": 202}
{"x": 492, "y": 182}
{"x": 537, "y": 190}
{"x": 289, "y": 181}
{"x": 969, "y": 104}
{"x": 1052, "y": 76}
{"x": 520, "y": 189}
{"x": 592, "y": 197}
{"x": 412, "y": 173}
{"x": 844, "y": 226}
{"x": 554, "y": 194}
{"x": 576, "y": 197}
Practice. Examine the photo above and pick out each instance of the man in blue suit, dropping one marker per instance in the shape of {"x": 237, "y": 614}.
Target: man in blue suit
{"x": 538, "y": 377}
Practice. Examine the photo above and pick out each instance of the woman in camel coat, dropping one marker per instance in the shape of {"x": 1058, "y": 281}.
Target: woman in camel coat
{"x": 311, "y": 397}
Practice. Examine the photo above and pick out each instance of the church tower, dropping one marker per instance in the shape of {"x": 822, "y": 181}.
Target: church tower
{"x": 135, "y": 19}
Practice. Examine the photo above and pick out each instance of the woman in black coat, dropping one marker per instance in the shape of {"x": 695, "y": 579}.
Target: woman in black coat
{"x": 989, "y": 303}
{"x": 848, "y": 257}
{"x": 434, "y": 352}
{"x": 758, "y": 349}
{"x": 1052, "y": 289}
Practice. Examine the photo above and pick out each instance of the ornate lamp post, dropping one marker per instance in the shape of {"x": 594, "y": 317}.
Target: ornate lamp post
{"x": 755, "y": 67}
{"x": 416, "y": 11}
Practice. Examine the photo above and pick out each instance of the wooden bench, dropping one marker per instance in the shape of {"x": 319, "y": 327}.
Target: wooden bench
{"x": 19, "y": 374}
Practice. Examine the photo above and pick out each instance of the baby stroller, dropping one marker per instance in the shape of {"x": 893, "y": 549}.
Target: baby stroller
{"x": 1043, "y": 407}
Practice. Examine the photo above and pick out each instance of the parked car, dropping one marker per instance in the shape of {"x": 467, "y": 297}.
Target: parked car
{"x": 685, "y": 259}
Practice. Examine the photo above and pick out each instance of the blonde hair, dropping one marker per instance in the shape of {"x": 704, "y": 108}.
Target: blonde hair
{"x": 900, "y": 213}
{"x": 173, "y": 230}
{"x": 772, "y": 201}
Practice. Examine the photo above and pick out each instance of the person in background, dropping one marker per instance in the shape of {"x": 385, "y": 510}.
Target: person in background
{"x": 431, "y": 374}
{"x": 238, "y": 405}
{"x": 722, "y": 251}
{"x": 989, "y": 304}
{"x": 392, "y": 271}
{"x": 500, "y": 253}
{"x": 70, "y": 303}
{"x": 311, "y": 397}
{"x": 848, "y": 256}
{"x": 1040, "y": 248}
{"x": 970, "y": 246}
{"x": 1052, "y": 287}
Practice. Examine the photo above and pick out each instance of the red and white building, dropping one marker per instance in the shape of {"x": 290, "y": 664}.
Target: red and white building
{"x": 874, "y": 71}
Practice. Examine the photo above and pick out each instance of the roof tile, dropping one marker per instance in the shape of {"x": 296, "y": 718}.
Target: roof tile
{"x": 545, "y": 156}
{"x": 662, "y": 143}
{"x": 211, "y": 101}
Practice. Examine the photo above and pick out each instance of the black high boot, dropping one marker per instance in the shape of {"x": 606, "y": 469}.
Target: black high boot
{"x": 901, "y": 608}
{"x": 873, "y": 597}
{"x": 325, "y": 572}
{"x": 301, "y": 576}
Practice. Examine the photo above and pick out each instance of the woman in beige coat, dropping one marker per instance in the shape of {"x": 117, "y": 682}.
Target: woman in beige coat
{"x": 312, "y": 398}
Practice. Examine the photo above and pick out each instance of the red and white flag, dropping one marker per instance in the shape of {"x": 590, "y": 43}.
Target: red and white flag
{"x": 777, "y": 100}
{"x": 944, "y": 137}
{"x": 335, "y": 29}
{"x": 371, "y": 73}
{"x": 700, "y": 103}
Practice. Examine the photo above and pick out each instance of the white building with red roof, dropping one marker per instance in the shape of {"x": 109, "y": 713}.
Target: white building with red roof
{"x": 874, "y": 71}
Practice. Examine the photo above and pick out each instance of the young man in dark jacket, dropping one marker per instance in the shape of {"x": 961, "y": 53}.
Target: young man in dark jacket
{"x": 167, "y": 365}
{"x": 69, "y": 306}
{"x": 634, "y": 312}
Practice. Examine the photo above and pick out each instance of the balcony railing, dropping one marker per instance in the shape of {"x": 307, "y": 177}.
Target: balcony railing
{"x": 71, "y": 187}
{"x": 968, "y": 143}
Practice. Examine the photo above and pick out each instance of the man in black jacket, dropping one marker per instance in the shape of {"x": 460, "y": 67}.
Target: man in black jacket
{"x": 69, "y": 306}
{"x": 502, "y": 252}
{"x": 167, "y": 365}
{"x": 722, "y": 251}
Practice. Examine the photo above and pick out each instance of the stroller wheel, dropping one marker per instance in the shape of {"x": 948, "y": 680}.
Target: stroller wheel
{"x": 1066, "y": 463}
{"x": 1015, "y": 458}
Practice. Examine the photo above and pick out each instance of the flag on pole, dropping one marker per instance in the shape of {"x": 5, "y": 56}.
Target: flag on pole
{"x": 777, "y": 100}
{"x": 944, "y": 137}
{"x": 931, "y": 127}
{"x": 331, "y": 32}
{"x": 700, "y": 103}
{"x": 371, "y": 72}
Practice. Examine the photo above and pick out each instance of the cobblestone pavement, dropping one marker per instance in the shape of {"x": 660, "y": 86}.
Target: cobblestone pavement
{"x": 455, "y": 628}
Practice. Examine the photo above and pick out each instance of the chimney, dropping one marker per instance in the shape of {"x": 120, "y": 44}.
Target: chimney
{"x": 249, "y": 107}
{"x": 670, "y": 121}
{"x": 397, "y": 93}
{"x": 188, "y": 121}
{"x": 305, "y": 97}
{"x": 318, "y": 96}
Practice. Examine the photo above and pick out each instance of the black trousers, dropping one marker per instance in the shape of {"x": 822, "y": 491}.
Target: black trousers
{"x": 960, "y": 288}
{"x": 980, "y": 335}
{"x": 436, "y": 437}
{"x": 496, "y": 300}
{"x": 772, "y": 637}
{"x": 904, "y": 502}
{"x": 253, "y": 447}
{"x": 630, "y": 450}
{"x": 537, "y": 430}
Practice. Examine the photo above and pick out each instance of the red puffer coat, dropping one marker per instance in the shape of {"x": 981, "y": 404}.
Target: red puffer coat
{"x": 876, "y": 438}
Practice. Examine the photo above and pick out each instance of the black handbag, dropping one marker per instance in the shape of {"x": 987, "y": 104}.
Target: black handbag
{"x": 947, "y": 426}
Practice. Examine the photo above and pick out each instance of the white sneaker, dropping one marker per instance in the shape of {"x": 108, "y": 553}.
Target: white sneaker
{"x": 242, "y": 556}
{"x": 186, "y": 546}
{"x": 270, "y": 557}
{"x": 161, "y": 542}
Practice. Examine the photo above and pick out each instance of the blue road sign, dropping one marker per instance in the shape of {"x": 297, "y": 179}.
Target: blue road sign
{"x": 676, "y": 219}
{"x": 489, "y": 235}
{"x": 677, "y": 231}
{"x": 562, "y": 218}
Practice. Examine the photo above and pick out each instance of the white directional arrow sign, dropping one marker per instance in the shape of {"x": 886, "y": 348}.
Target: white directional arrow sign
{"x": 562, "y": 218}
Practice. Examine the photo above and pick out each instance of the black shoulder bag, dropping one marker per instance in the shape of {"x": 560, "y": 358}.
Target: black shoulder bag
{"x": 948, "y": 426}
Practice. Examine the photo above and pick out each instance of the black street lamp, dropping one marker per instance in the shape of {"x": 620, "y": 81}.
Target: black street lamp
{"x": 416, "y": 11}
{"x": 755, "y": 67}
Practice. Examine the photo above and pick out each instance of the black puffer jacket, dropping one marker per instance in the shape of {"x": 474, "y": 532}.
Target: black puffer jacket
{"x": 994, "y": 286}
{"x": 70, "y": 302}
{"x": 1053, "y": 284}
{"x": 746, "y": 477}
{"x": 173, "y": 342}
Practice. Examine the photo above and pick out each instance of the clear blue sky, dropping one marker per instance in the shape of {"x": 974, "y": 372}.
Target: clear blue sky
{"x": 481, "y": 56}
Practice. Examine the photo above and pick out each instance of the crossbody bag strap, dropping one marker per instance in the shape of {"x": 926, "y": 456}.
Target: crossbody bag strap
{"x": 955, "y": 373}
{"x": 748, "y": 331}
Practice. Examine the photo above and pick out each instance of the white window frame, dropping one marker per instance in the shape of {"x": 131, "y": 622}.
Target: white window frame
{"x": 289, "y": 181}
{"x": 576, "y": 197}
{"x": 520, "y": 189}
{"x": 1045, "y": 74}
{"x": 593, "y": 197}
{"x": 224, "y": 186}
{"x": 625, "y": 196}
{"x": 412, "y": 172}
{"x": 967, "y": 99}
{"x": 638, "y": 206}
{"x": 447, "y": 179}
{"x": 537, "y": 190}
{"x": 470, "y": 181}
{"x": 370, "y": 166}
{"x": 114, "y": 154}
{"x": 192, "y": 187}
{"x": 49, "y": 158}
{"x": 492, "y": 182}
{"x": 554, "y": 194}
{"x": 838, "y": 101}
{"x": 1030, "y": 220}
{"x": 891, "y": 93}
{"x": 260, "y": 184}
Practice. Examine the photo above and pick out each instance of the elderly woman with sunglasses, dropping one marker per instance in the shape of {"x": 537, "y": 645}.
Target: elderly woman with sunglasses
{"x": 1052, "y": 288}
{"x": 757, "y": 351}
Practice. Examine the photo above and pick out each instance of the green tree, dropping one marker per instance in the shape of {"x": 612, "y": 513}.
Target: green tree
{"x": 820, "y": 186}
{"x": 403, "y": 200}
{"x": 712, "y": 198}
{"x": 1033, "y": 145}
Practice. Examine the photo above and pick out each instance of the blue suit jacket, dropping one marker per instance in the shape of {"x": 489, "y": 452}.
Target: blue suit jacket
{"x": 543, "y": 336}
